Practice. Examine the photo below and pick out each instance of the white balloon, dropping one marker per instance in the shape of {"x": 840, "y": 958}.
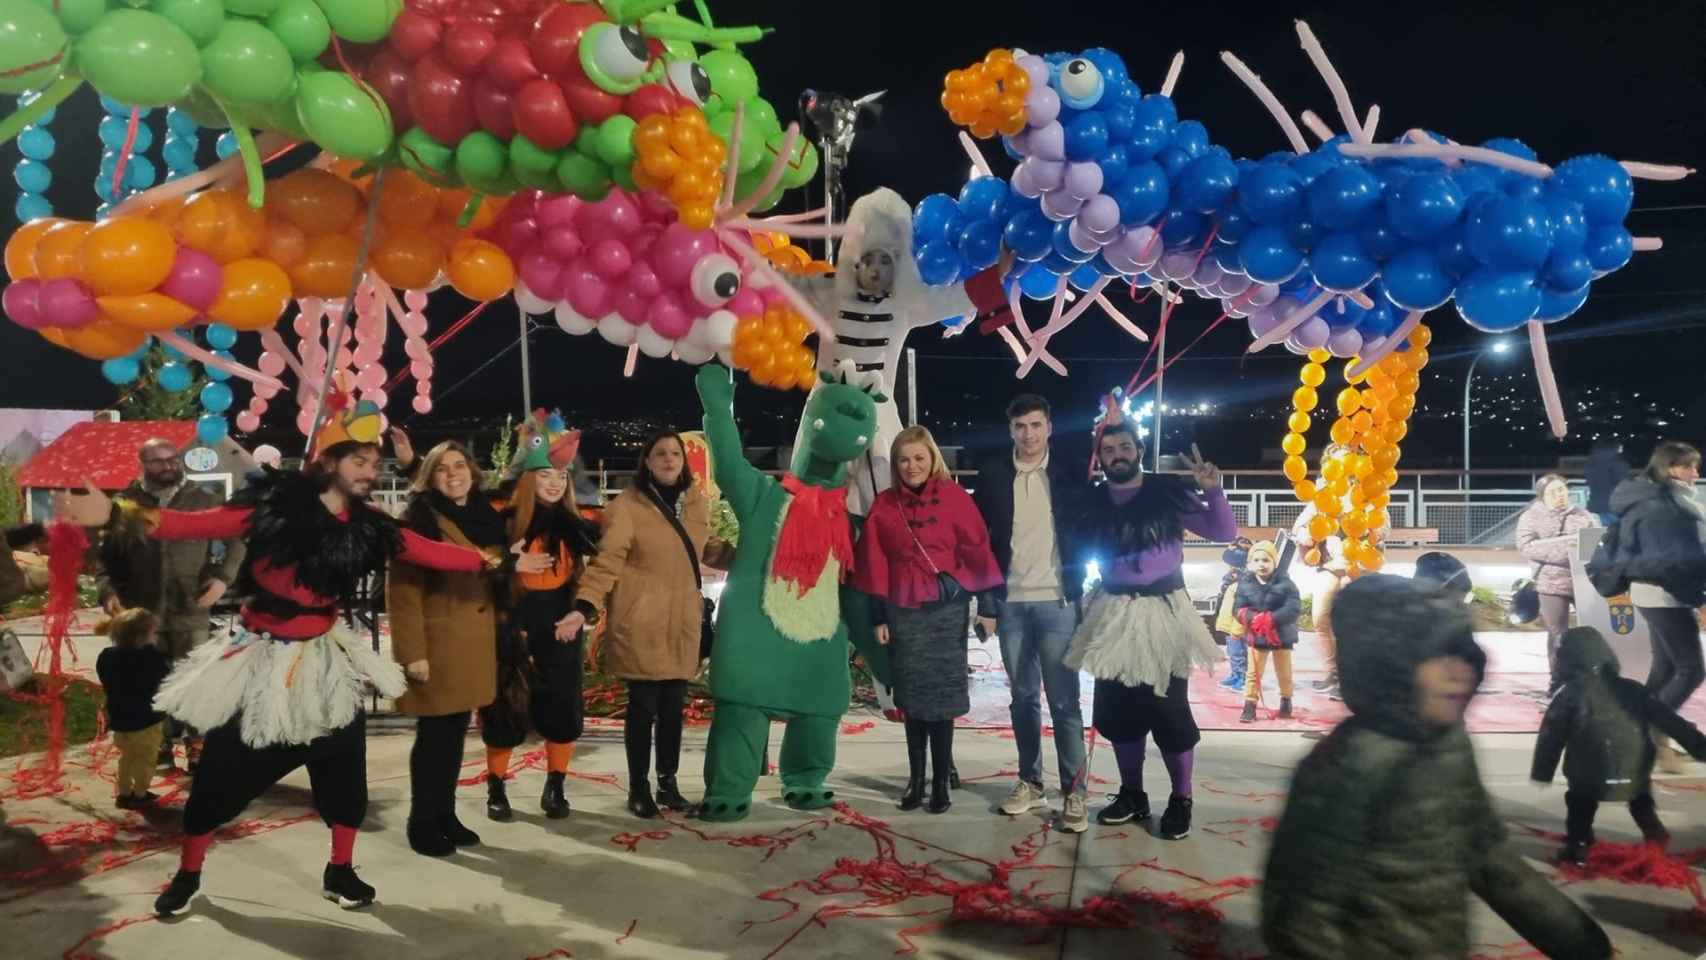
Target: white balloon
{"x": 267, "y": 455}
{"x": 617, "y": 330}
{"x": 1234, "y": 283}
{"x": 530, "y": 303}
{"x": 726, "y": 355}
{"x": 693, "y": 353}
{"x": 1264, "y": 294}
{"x": 720, "y": 329}
{"x": 569, "y": 320}
{"x": 652, "y": 343}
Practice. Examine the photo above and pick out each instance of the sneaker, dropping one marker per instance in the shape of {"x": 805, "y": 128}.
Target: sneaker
{"x": 1074, "y": 814}
{"x": 1232, "y": 683}
{"x": 177, "y": 893}
{"x": 341, "y": 886}
{"x": 1575, "y": 853}
{"x": 1176, "y": 819}
{"x": 1249, "y": 714}
{"x": 1025, "y": 797}
{"x": 1324, "y": 684}
{"x": 1128, "y": 805}
{"x": 553, "y": 801}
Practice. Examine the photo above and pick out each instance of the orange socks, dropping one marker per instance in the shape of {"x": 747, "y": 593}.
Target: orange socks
{"x": 497, "y": 762}
{"x": 558, "y": 755}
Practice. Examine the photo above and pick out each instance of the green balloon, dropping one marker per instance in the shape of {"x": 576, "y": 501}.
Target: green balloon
{"x": 803, "y": 169}
{"x": 759, "y": 111}
{"x": 424, "y": 155}
{"x": 30, "y": 35}
{"x": 583, "y": 176}
{"x": 201, "y": 108}
{"x": 138, "y": 58}
{"x": 302, "y": 28}
{"x": 624, "y": 178}
{"x": 482, "y": 162}
{"x": 752, "y": 151}
{"x": 247, "y": 62}
{"x": 251, "y": 8}
{"x": 616, "y": 141}
{"x": 732, "y": 77}
{"x": 363, "y": 21}
{"x": 343, "y": 117}
{"x": 586, "y": 141}
{"x": 76, "y": 16}
{"x": 532, "y": 164}
{"x": 200, "y": 19}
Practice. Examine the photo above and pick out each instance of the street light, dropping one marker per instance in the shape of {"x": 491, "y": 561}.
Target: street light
{"x": 1497, "y": 347}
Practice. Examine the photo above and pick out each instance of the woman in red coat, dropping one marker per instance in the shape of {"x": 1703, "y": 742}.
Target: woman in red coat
{"x": 923, "y": 556}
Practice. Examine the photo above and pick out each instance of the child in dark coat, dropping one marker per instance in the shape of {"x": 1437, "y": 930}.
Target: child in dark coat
{"x": 131, "y": 671}
{"x": 1268, "y": 606}
{"x": 1602, "y": 724}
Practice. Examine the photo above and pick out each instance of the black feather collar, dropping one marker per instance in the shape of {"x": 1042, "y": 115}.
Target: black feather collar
{"x": 291, "y": 527}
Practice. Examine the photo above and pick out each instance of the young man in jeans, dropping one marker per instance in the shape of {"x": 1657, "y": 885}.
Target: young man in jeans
{"x": 1026, "y": 500}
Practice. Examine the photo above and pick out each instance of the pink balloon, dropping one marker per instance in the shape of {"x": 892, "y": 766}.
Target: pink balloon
{"x": 421, "y": 370}
{"x": 630, "y": 305}
{"x": 376, "y": 395}
{"x": 21, "y": 302}
{"x": 677, "y": 251}
{"x": 416, "y": 348}
{"x": 304, "y": 325}
{"x": 666, "y": 316}
{"x": 643, "y": 279}
{"x": 746, "y": 303}
{"x": 304, "y": 422}
{"x": 423, "y": 405}
{"x": 415, "y": 300}
{"x": 586, "y": 291}
{"x": 371, "y": 377}
{"x": 413, "y": 324}
{"x": 610, "y": 258}
{"x": 423, "y": 387}
{"x": 562, "y": 242}
{"x": 65, "y": 304}
{"x": 558, "y": 210}
{"x": 194, "y": 279}
{"x": 543, "y": 274}
{"x": 266, "y": 391}
{"x": 248, "y": 421}
{"x": 615, "y": 213}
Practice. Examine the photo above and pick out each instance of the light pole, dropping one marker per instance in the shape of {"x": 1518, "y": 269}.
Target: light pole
{"x": 1497, "y": 346}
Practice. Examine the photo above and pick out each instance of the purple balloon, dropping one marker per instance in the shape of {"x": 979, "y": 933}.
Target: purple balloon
{"x": 1101, "y": 216}
{"x": 1036, "y": 68}
{"x": 65, "y": 304}
{"x": 1020, "y": 143}
{"x": 194, "y": 279}
{"x": 1139, "y": 246}
{"x": 1208, "y": 272}
{"x": 1045, "y": 175}
{"x": 1022, "y": 183}
{"x": 1042, "y": 105}
{"x": 1234, "y": 307}
{"x": 1082, "y": 238}
{"x": 1083, "y": 180}
{"x": 1314, "y": 333}
{"x": 1048, "y": 143}
{"x": 1295, "y": 346}
{"x": 1234, "y": 283}
{"x": 1345, "y": 344}
{"x": 1265, "y": 294}
{"x": 1057, "y": 205}
{"x": 1178, "y": 264}
{"x": 1262, "y": 322}
{"x": 21, "y": 303}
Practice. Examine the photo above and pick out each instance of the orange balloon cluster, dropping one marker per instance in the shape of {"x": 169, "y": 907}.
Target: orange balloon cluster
{"x": 678, "y": 155}
{"x": 780, "y": 250}
{"x": 418, "y": 236}
{"x": 988, "y": 97}
{"x": 771, "y": 349}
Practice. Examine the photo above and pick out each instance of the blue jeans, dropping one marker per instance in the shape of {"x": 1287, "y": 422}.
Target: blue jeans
{"x": 1237, "y": 656}
{"x": 1035, "y": 637}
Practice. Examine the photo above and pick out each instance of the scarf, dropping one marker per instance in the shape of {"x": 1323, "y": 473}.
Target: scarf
{"x": 478, "y": 521}
{"x": 814, "y": 527}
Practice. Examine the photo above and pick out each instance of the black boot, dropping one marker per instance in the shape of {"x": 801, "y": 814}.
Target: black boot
{"x": 177, "y": 894}
{"x": 552, "y": 801}
{"x": 941, "y": 765}
{"x": 427, "y": 838}
{"x": 1285, "y": 708}
{"x": 458, "y": 834}
{"x": 1249, "y": 714}
{"x": 669, "y": 795}
{"x": 917, "y": 741}
{"x": 340, "y": 885}
{"x": 497, "y": 800}
{"x": 1575, "y": 852}
{"x": 913, "y": 796}
{"x": 940, "y": 797}
{"x": 640, "y": 802}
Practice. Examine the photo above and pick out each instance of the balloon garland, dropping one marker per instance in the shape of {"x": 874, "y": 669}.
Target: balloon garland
{"x": 32, "y": 174}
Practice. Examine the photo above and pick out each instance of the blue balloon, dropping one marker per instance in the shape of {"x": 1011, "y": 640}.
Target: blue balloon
{"x": 1152, "y": 127}
{"x": 1599, "y": 184}
{"x": 1557, "y": 306}
{"x": 1268, "y": 256}
{"x": 1454, "y": 253}
{"x": 1233, "y": 225}
{"x": 1342, "y": 314}
{"x": 1424, "y": 206}
{"x": 1340, "y": 198}
{"x": 1173, "y": 161}
{"x": 1114, "y": 163}
{"x": 1474, "y": 181}
{"x": 1029, "y": 234}
{"x": 109, "y": 163}
{"x": 171, "y": 351}
{"x": 1609, "y": 247}
{"x": 938, "y": 263}
{"x": 112, "y": 132}
{"x": 1141, "y": 194}
{"x": 930, "y": 221}
{"x": 1086, "y": 276}
{"x": 1331, "y": 153}
{"x": 1510, "y": 147}
{"x": 1065, "y": 249}
{"x": 179, "y": 154}
{"x": 1380, "y": 320}
{"x": 220, "y": 337}
{"x": 32, "y": 206}
{"x": 174, "y": 376}
{"x": 1206, "y": 183}
{"x": 226, "y": 145}
{"x": 1311, "y": 166}
{"x": 1304, "y": 234}
{"x": 1038, "y": 284}
{"x": 214, "y": 373}
{"x": 1086, "y": 136}
{"x": 1057, "y": 265}
{"x": 1417, "y": 280}
{"x": 1192, "y": 137}
{"x": 32, "y": 176}
{"x": 211, "y": 429}
{"x": 216, "y": 397}
{"x": 1340, "y": 264}
{"x": 1567, "y": 270}
{"x": 139, "y": 173}
{"x": 181, "y": 123}
{"x": 1006, "y": 147}
{"x": 1525, "y": 188}
{"x": 981, "y": 198}
{"x": 980, "y": 245}
{"x": 121, "y": 370}
{"x": 104, "y": 185}
{"x": 1569, "y": 222}
{"x": 1185, "y": 228}
{"x": 36, "y": 143}
{"x": 1510, "y": 233}
{"x": 1272, "y": 194}
{"x": 1120, "y": 112}
{"x": 1380, "y": 241}
{"x": 1498, "y": 301}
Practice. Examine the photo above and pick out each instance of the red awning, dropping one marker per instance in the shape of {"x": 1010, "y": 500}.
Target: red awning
{"x": 101, "y": 451}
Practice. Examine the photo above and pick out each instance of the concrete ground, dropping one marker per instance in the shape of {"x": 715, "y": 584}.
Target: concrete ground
{"x": 77, "y": 876}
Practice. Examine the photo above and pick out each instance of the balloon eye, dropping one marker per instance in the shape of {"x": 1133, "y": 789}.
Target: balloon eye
{"x": 1080, "y": 84}
{"x": 616, "y": 58}
{"x": 689, "y": 79}
{"x": 537, "y": 441}
{"x": 715, "y": 280}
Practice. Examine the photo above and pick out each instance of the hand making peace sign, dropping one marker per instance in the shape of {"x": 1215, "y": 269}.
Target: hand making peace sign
{"x": 1207, "y": 474}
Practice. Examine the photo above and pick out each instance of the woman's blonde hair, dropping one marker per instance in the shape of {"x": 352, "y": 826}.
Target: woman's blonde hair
{"x": 916, "y": 434}
{"x": 132, "y": 627}
{"x": 429, "y": 463}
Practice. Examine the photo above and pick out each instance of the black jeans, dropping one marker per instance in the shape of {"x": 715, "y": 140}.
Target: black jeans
{"x": 435, "y": 763}
{"x": 232, "y": 774}
{"x": 1677, "y": 667}
{"x": 659, "y": 703}
{"x": 1580, "y": 809}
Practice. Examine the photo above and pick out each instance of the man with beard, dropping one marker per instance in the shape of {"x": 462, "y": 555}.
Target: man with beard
{"x": 178, "y": 580}
{"x": 288, "y": 689}
{"x": 1141, "y": 636}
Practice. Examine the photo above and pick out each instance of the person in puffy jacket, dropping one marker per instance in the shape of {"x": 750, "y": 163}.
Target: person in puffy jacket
{"x": 1601, "y": 724}
{"x": 1267, "y": 606}
{"x": 1545, "y": 535}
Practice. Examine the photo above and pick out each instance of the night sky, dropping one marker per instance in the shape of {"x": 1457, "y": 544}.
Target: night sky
{"x": 1624, "y": 79}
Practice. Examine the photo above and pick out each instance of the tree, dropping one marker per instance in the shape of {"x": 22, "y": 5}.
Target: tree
{"x": 147, "y": 400}
{"x": 502, "y": 450}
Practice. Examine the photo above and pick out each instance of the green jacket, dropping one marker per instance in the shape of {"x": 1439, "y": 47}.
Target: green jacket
{"x": 1388, "y": 828}
{"x": 165, "y": 576}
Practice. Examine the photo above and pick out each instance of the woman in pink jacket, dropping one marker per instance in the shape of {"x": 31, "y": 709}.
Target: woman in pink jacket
{"x": 1545, "y": 534}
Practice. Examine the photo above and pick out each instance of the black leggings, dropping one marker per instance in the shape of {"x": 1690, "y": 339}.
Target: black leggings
{"x": 653, "y": 702}
{"x": 938, "y": 735}
{"x": 1677, "y": 667}
{"x": 435, "y": 763}
{"x": 231, "y": 774}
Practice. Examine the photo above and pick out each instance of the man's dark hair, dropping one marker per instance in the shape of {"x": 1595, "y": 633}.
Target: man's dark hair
{"x": 1028, "y": 403}
{"x": 323, "y": 468}
{"x": 1124, "y": 426}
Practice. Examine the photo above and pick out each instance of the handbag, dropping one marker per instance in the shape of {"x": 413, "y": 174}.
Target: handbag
{"x": 708, "y": 612}
{"x": 948, "y": 589}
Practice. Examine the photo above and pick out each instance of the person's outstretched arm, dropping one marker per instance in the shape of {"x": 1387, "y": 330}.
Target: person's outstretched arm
{"x": 1535, "y": 909}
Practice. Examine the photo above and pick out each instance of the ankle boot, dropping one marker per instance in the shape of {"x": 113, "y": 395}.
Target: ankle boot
{"x": 917, "y": 743}
{"x": 640, "y": 802}
{"x": 913, "y": 797}
{"x": 669, "y": 795}
{"x": 1285, "y": 708}
{"x": 427, "y": 838}
{"x": 940, "y": 800}
{"x": 497, "y": 800}
{"x": 552, "y": 801}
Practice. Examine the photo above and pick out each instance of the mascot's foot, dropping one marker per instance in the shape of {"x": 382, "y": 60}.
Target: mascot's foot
{"x": 808, "y": 798}
{"x": 724, "y": 811}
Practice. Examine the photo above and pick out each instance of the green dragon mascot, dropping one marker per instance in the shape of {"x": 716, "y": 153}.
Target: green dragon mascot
{"x": 781, "y": 647}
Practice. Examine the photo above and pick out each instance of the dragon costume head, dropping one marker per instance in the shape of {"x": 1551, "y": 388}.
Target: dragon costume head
{"x": 543, "y": 440}
{"x": 841, "y": 420}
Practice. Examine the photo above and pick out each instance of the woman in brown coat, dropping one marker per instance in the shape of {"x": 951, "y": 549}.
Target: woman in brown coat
{"x": 645, "y": 582}
{"x": 444, "y": 633}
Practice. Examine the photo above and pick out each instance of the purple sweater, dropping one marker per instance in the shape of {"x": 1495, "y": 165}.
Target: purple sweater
{"x": 1216, "y": 524}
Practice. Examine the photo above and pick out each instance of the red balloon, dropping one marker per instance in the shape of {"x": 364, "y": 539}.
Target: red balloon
{"x": 389, "y": 75}
{"x": 510, "y": 64}
{"x": 542, "y": 115}
{"x": 589, "y": 103}
{"x": 654, "y": 98}
{"x": 493, "y": 107}
{"x": 414, "y": 35}
{"x": 556, "y": 39}
{"x": 441, "y": 100}
{"x": 466, "y": 47}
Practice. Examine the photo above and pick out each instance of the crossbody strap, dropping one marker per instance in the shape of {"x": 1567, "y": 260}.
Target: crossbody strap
{"x": 680, "y": 531}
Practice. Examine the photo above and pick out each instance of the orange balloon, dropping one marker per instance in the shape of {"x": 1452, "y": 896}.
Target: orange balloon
{"x": 485, "y": 214}
{"x": 126, "y": 256}
{"x": 1294, "y": 444}
{"x": 245, "y": 229}
{"x": 480, "y": 270}
{"x": 285, "y": 243}
{"x": 103, "y": 341}
{"x": 148, "y": 312}
{"x": 407, "y": 201}
{"x": 314, "y": 200}
{"x": 59, "y": 251}
{"x": 55, "y": 336}
{"x": 1298, "y": 422}
{"x": 1321, "y": 527}
{"x": 1421, "y": 336}
{"x": 411, "y": 260}
{"x": 200, "y": 225}
{"x": 327, "y": 267}
{"x": 1295, "y": 469}
{"x": 252, "y": 294}
{"x": 1305, "y": 490}
{"x": 21, "y": 247}
{"x": 1305, "y": 398}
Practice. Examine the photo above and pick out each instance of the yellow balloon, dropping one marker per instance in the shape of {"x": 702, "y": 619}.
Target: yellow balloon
{"x": 1294, "y": 444}
{"x": 1333, "y": 469}
{"x": 1319, "y": 356}
{"x": 1295, "y": 469}
{"x": 1321, "y": 526}
{"x": 1298, "y": 422}
{"x": 1305, "y": 490}
{"x": 1305, "y": 398}
{"x": 1313, "y": 375}
{"x": 1349, "y": 401}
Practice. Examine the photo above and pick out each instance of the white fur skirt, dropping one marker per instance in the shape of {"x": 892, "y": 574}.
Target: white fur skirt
{"x": 1141, "y": 640}
{"x": 286, "y": 691}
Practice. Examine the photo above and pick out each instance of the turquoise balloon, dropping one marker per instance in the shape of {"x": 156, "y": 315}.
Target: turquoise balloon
{"x": 247, "y": 62}
{"x": 138, "y": 58}
{"x": 302, "y": 28}
{"x": 343, "y": 117}
{"x": 198, "y": 18}
{"x": 363, "y": 21}
{"x": 29, "y": 34}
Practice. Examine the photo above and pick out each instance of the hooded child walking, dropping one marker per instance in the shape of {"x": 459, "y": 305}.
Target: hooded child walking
{"x": 1267, "y": 606}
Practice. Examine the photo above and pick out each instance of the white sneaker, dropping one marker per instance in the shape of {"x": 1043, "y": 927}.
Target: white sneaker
{"x": 1024, "y": 798}
{"x": 1074, "y": 814}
